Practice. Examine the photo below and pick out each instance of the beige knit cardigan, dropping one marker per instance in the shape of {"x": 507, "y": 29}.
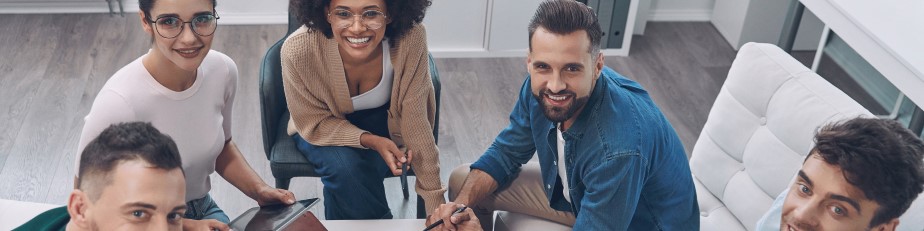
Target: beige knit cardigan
{"x": 318, "y": 100}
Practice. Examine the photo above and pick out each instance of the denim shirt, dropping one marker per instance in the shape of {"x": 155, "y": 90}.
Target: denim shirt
{"x": 627, "y": 169}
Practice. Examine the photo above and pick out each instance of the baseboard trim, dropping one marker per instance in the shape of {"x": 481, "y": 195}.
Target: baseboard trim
{"x": 131, "y": 8}
{"x": 680, "y": 15}
{"x": 60, "y": 7}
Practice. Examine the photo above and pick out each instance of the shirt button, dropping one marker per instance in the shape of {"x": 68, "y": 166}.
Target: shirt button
{"x": 548, "y": 186}
{"x": 554, "y": 162}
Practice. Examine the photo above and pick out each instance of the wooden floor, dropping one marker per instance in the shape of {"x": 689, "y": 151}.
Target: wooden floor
{"x": 52, "y": 66}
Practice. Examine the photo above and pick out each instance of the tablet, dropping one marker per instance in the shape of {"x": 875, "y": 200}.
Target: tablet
{"x": 271, "y": 217}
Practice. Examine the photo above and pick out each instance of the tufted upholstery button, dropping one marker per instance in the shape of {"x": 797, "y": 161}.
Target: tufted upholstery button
{"x": 763, "y": 120}
{"x": 703, "y": 214}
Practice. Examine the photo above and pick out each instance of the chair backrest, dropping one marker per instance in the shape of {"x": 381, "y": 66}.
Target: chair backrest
{"x": 435, "y": 77}
{"x": 294, "y": 24}
{"x": 758, "y": 133}
{"x": 272, "y": 96}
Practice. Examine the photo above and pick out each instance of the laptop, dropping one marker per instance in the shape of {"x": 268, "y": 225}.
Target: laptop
{"x": 277, "y": 217}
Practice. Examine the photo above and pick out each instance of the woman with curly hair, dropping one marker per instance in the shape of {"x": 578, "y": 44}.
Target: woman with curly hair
{"x": 357, "y": 82}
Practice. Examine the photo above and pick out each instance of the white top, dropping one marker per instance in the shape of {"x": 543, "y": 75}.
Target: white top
{"x": 381, "y": 93}
{"x": 774, "y": 216}
{"x": 562, "y": 172}
{"x": 198, "y": 119}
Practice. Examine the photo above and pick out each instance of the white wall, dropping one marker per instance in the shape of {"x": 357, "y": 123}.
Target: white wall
{"x": 253, "y": 12}
{"x": 456, "y": 26}
{"x": 680, "y": 10}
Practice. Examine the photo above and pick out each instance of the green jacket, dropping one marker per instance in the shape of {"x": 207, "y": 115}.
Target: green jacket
{"x": 54, "y": 219}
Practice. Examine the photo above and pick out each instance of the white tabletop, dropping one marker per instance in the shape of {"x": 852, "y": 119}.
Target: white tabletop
{"x": 379, "y": 225}
{"x": 889, "y": 34}
{"x": 15, "y": 213}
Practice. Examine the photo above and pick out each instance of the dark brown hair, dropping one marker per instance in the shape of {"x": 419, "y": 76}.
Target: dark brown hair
{"x": 564, "y": 17}
{"x": 146, "y": 6}
{"x": 880, "y": 157}
{"x": 124, "y": 142}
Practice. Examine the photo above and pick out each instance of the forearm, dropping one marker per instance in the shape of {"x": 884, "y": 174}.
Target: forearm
{"x": 368, "y": 140}
{"x": 234, "y": 168}
{"x": 477, "y": 186}
{"x": 427, "y": 167}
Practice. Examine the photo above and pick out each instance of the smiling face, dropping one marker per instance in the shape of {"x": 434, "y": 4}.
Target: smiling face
{"x": 187, "y": 50}
{"x": 562, "y": 72}
{"x": 137, "y": 197}
{"x": 822, "y": 199}
{"x": 357, "y": 41}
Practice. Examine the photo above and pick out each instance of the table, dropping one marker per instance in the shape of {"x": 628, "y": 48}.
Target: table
{"x": 15, "y": 213}
{"x": 886, "y": 33}
{"x": 379, "y": 225}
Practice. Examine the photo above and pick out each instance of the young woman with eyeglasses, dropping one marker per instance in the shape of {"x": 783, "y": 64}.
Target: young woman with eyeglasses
{"x": 187, "y": 91}
{"x": 357, "y": 83}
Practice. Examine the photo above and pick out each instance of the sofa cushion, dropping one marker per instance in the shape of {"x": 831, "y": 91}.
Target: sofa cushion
{"x": 758, "y": 132}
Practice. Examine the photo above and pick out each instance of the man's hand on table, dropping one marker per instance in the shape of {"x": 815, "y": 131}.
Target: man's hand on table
{"x": 464, "y": 221}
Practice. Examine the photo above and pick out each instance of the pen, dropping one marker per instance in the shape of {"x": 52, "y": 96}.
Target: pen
{"x": 440, "y": 222}
{"x": 404, "y": 180}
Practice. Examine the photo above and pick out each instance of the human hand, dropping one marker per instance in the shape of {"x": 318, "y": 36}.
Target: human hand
{"x": 465, "y": 220}
{"x": 393, "y": 156}
{"x": 204, "y": 225}
{"x": 267, "y": 195}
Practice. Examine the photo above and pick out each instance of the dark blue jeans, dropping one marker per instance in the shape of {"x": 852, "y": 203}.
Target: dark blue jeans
{"x": 352, "y": 177}
{"x": 205, "y": 208}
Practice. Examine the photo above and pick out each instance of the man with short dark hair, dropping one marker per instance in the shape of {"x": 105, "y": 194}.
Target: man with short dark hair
{"x": 862, "y": 174}
{"x": 130, "y": 178}
{"x": 608, "y": 159}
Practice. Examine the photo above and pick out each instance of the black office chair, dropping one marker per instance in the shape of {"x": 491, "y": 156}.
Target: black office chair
{"x": 286, "y": 161}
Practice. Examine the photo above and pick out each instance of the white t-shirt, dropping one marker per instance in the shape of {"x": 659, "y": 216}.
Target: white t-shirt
{"x": 381, "y": 93}
{"x": 198, "y": 119}
{"x": 562, "y": 171}
{"x": 774, "y": 216}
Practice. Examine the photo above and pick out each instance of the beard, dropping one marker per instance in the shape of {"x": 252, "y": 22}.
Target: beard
{"x": 560, "y": 114}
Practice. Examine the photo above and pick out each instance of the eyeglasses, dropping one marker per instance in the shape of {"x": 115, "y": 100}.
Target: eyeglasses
{"x": 372, "y": 19}
{"x": 172, "y": 26}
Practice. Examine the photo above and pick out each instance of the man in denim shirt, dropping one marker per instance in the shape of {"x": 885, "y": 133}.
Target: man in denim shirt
{"x": 623, "y": 166}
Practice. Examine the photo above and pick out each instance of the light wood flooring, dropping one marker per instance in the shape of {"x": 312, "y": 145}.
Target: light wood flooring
{"x": 52, "y": 66}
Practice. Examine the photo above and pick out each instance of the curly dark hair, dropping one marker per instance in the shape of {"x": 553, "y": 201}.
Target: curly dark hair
{"x": 880, "y": 157}
{"x": 123, "y": 142}
{"x": 402, "y": 13}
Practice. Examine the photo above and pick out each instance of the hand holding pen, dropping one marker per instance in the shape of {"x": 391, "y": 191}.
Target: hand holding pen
{"x": 461, "y": 218}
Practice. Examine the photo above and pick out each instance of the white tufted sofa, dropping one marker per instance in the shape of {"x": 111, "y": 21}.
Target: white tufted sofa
{"x": 758, "y": 133}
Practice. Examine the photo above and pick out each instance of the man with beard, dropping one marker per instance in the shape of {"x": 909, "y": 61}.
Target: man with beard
{"x": 608, "y": 159}
{"x": 862, "y": 174}
{"x": 130, "y": 178}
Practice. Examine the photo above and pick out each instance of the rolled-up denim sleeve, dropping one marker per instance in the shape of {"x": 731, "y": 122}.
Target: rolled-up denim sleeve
{"x": 612, "y": 194}
{"x": 514, "y": 146}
